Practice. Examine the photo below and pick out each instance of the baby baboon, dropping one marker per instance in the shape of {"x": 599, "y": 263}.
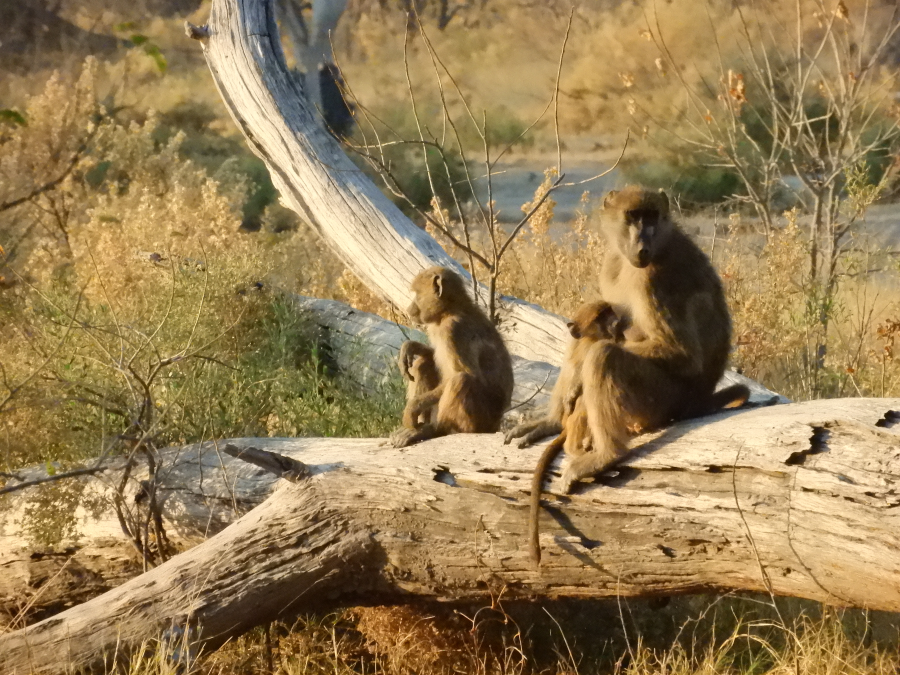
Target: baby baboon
{"x": 418, "y": 368}
{"x": 655, "y": 275}
{"x": 593, "y": 321}
{"x": 468, "y": 364}
{"x": 602, "y": 317}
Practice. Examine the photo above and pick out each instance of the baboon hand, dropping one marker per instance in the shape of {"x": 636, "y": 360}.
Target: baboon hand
{"x": 532, "y": 432}
{"x": 523, "y": 429}
{"x": 407, "y": 356}
{"x": 401, "y": 438}
{"x": 405, "y": 366}
{"x": 572, "y": 398}
{"x": 515, "y": 432}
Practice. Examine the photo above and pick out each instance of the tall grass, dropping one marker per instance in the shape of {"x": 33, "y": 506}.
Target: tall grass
{"x": 141, "y": 255}
{"x": 720, "y": 637}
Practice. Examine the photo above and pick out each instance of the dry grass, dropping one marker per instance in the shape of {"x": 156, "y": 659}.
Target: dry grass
{"x": 731, "y": 636}
{"x": 557, "y": 272}
{"x": 144, "y": 233}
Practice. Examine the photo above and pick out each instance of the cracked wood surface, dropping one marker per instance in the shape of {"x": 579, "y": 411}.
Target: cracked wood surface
{"x": 800, "y": 499}
{"x": 363, "y": 346}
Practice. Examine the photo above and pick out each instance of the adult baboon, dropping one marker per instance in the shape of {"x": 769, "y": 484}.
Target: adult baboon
{"x": 655, "y": 275}
{"x": 475, "y": 377}
{"x": 637, "y": 228}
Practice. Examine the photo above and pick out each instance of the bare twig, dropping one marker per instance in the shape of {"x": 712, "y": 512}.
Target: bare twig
{"x": 15, "y": 389}
{"x": 49, "y": 185}
{"x": 88, "y": 471}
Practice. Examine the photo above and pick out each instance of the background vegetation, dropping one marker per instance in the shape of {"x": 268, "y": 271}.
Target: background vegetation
{"x": 146, "y": 264}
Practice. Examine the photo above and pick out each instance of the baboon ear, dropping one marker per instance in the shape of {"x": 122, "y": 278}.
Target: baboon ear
{"x": 608, "y": 200}
{"x": 438, "y": 285}
{"x": 663, "y": 200}
{"x": 573, "y": 330}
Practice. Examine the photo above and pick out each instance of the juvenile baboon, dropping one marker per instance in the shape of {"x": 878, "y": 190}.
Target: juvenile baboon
{"x": 615, "y": 326}
{"x": 599, "y": 314}
{"x": 593, "y": 321}
{"x": 418, "y": 368}
{"x": 474, "y": 380}
{"x": 655, "y": 275}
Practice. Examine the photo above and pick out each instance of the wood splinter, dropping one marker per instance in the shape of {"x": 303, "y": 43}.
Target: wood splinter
{"x": 284, "y": 467}
{"x": 200, "y": 33}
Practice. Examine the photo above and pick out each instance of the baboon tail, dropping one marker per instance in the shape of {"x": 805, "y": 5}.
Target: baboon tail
{"x": 537, "y": 484}
{"x": 730, "y": 397}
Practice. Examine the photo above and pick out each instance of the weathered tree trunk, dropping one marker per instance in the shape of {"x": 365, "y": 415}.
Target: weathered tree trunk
{"x": 202, "y": 498}
{"x": 318, "y": 181}
{"x": 798, "y": 500}
{"x": 801, "y": 500}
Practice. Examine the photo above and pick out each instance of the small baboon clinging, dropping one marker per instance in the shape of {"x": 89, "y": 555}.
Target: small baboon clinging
{"x": 474, "y": 378}
{"x": 652, "y": 241}
{"x": 663, "y": 282}
{"x": 601, "y": 316}
{"x": 592, "y": 322}
{"x": 418, "y": 368}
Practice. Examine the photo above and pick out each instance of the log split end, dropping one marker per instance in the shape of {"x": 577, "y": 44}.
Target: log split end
{"x": 200, "y": 33}
{"x": 284, "y": 467}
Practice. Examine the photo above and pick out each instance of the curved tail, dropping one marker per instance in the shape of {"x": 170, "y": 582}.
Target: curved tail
{"x": 730, "y": 397}
{"x": 537, "y": 484}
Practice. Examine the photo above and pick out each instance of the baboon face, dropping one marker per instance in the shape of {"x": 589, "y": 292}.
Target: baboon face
{"x": 637, "y": 223}
{"x": 436, "y": 290}
{"x": 594, "y": 321}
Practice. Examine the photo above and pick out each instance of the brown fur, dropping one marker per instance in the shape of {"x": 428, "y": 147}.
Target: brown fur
{"x": 661, "y": 280}
{"x": 468, "y": 356}
{"x": 613, "y": 326}
{"x": 418, "y": 368}
{"x": 593, "y": 321}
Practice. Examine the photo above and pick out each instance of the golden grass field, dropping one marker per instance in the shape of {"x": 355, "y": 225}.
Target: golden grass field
{"x": 159, "y": 169}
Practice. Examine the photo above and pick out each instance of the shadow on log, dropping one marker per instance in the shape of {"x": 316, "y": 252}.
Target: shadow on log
{"x": 800, "y": 500}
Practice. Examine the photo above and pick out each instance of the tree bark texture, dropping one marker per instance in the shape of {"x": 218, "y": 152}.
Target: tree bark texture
{"x": 800, "y": 499}
{"x": 93, "y": 555}
{"x": 364, "y": 347}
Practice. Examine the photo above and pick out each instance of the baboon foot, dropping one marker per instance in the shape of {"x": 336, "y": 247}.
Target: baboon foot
{"x": 404, "y": 437}
{"x": 532, "y": 432}
{"x": 587, "y": 465}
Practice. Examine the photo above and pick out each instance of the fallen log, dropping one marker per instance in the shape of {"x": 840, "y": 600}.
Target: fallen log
{"x": 800, "y": 499}
{"x": 93, "y": 555}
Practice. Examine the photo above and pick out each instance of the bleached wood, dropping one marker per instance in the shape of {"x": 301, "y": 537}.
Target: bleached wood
{"x": 363, "y": 346}
{"x": 318, "y": 181}
{"x": 800, "y": 498}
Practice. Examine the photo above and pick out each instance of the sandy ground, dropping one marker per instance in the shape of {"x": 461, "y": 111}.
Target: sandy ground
{"x": 515, "y": 182}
